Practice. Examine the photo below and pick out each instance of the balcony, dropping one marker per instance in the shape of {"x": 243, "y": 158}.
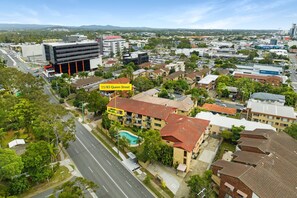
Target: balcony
{"x": 216, "y": 179}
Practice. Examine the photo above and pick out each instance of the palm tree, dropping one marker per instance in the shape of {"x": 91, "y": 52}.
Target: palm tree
{"x": 129, "y": 72}
{"x": 53, "y": 151}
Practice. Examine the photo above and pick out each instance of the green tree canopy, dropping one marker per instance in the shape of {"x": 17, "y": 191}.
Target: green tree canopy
{"x": 10, "y": 164}
{"x": 292, "y": 130}
{"x": 143, "y": 84}
{"x": 201, "y": 184}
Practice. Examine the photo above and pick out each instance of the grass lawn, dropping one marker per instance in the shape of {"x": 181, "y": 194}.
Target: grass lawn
{"x": 223, "y": 147}
{"x": 60, "y": 175}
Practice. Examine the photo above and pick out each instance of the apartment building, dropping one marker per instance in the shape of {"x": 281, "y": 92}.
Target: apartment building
{"x": 273, "y": 80}
{"x": 175, "y": 76}
{"x": 277, "y": 116}
{"x": 137, "y": 113}
{"x": 112, "y": 45}
{"x": 177, "y": 66}
{"x": 269, "y": 98}
{"x": 185, "y": 135}
{"x": 208, "y": 82}
{"x": 184, "y": 105}
{"x": 264, "y": 166}
{"x": 219, "y": 123}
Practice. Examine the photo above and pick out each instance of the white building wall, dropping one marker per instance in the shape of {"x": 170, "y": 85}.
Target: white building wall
{"x": 95, "y": 62}
{"x": 33, "y": 50}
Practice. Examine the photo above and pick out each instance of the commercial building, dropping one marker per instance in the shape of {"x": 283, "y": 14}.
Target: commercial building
{"x": 33, "y": 52}
{"x": 220, "y": 123}
{"x": 265, "y": 166}
{"x": 277, "y": 116}
{"x": 269, "y": 98}
{"x": 281, "y": 52}
{"x": 73, "y": 57}
{"x": 293, "y": 31}
{"x": 112, "y": 45}
{"x": 208, "y": 82}
{"x": 135, "y": 57}
{"x": 185, "y": 135}
{"x": 141, "y": 114}
{"x": 75, "y": 38}
{"x": 259, "y": 69}
{"x": 184, "y": 105}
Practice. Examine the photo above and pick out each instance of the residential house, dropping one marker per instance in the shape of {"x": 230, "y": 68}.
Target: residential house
{"x": 220, "y": 123}
{"x": 265, "y": 166}
{"x": 208, "y": 82}
{"x": 139, "y": 73}
{"x": 122, "y": 80}
{"x": 175, "y": 76}
{"x": 183, "y": 105}
{"x": 185, "y": 134}
{"x": 137, "y": 113}
{"x": 214, "y": 108}
{"x": 158, "y": 73}
{"x": 177, "y": 66}
{"x": 277, "y": 116}
{"x": 89, "y": 84}
{"x": 194, "y": 77}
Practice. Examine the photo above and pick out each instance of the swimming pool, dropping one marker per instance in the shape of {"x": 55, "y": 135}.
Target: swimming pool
{"x": 133, "y": 139}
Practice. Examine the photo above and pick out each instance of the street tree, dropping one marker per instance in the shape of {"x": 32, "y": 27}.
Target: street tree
{"x": 10, "y": 164}
{"x": 201, "y": 185}
{"x": 292, "y": 130}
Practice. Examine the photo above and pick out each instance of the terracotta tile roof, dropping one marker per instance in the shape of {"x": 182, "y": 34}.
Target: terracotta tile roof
{"x": 110, "y": 62}
{"x": 185, "y": 130}
{"x": 219, "y": 109}
{"x": 145, "y": 65}
{"x": 259, "y": 77}
{"x": 200, "y": 73}
{"x": 143, "y": 108}
{"x": 118, "y": 81}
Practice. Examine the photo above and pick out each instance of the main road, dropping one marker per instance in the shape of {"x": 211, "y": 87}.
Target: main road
{"x": 95, "y": 162}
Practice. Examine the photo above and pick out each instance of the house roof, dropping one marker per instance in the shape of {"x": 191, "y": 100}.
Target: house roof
{"x": 118, "y": 81}
{"x": 271, "y": 109}
{"x": 86, "y": 81}
{"x": 225, "y": 122}
{"x": 259, "y": 77}
{"x": 219, "y": 109}
{"x": 185, "y": 105}
{"x": 143, "y": 108}
{"x": 145, "y": 65}
{"x": 268, "y": 96}
{"x": 186, "y": 130}
{"x": 208, "y": 79}
{"x": 273, "y": 174}
{"x": 175, "y": 75}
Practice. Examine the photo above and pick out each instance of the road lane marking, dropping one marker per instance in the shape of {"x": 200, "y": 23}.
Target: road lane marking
{"x": 76, "y": 151}
{"x": 108, "y": 162}
{"x": 101, "y": 167}
{"x": 129, "y": 184}
{"x": 91, "y": 169}
{"x": 105, "y": 189}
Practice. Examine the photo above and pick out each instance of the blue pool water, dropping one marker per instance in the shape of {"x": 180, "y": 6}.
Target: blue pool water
{"x": 133, "y": 139}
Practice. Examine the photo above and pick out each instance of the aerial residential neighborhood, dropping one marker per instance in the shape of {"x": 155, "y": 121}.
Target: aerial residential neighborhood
{"x": 168, "y": 99}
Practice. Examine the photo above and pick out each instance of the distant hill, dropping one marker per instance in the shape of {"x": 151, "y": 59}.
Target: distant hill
{"x": 10, "y": 27}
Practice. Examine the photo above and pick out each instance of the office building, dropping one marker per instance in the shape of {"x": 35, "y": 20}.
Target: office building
{"x": 110, "y": 46}
{"x": 273, "y": 41}
{"x": 73, "y": 57}
{"x": 264, "y": 166}
{"x": 75, "y": 38}
{"x": 277, "y": 116}
{"x": 293, "y": 31}
{"x": 135, "y": 57}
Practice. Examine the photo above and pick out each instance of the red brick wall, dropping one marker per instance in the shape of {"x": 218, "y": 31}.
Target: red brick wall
{"x": 238, "y": 185}
{"x": 251, "y": 149}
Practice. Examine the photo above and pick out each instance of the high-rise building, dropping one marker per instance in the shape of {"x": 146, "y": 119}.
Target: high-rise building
{"x": 72, "y": 57}
{"x": 112, "y": 45}
{"x": 293, "y": 31}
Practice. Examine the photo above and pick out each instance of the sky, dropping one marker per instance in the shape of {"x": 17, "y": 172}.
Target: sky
{"x": 192, "y": 14}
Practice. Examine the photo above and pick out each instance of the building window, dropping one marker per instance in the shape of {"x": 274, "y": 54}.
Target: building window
{"x": 185, "y": 160}
{"x": 157, "y": 119}
{"x": 185, "y": 153}
{"x": 157, "y": 125}
{"x": 285, "y": 119}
